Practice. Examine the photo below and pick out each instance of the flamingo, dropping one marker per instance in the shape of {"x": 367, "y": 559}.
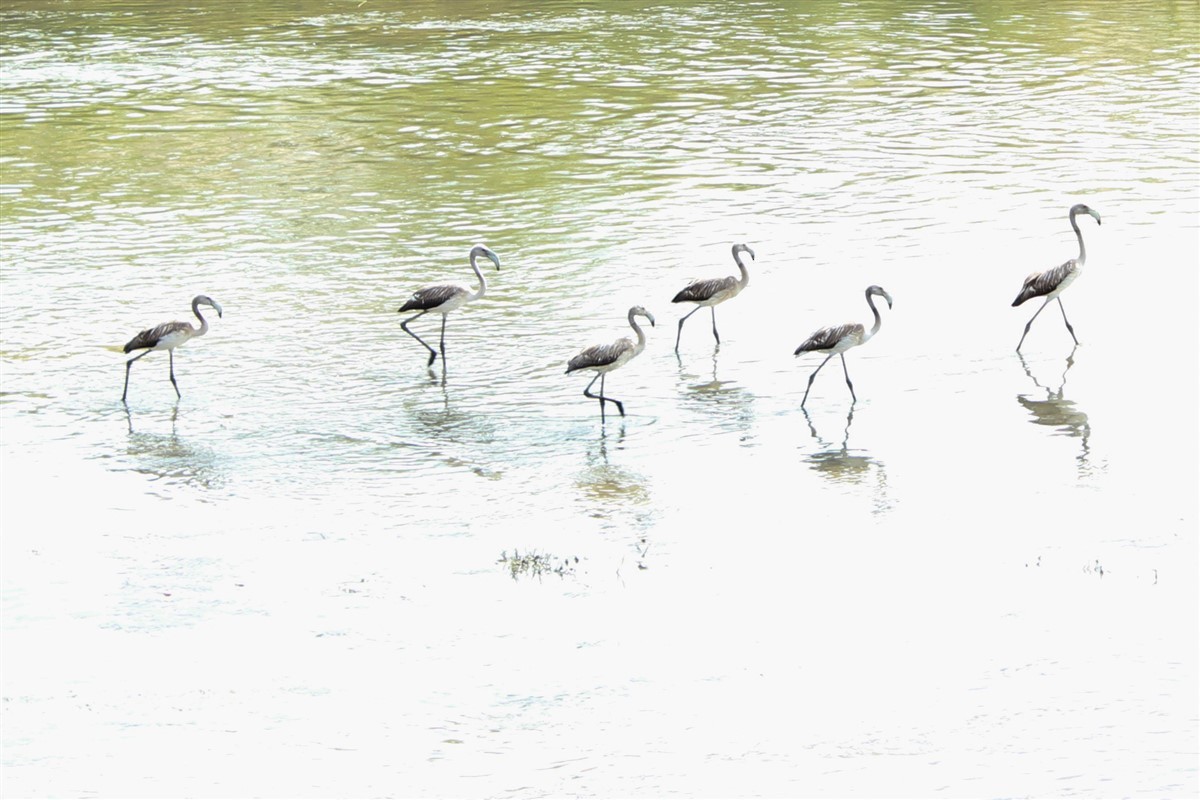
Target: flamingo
{"x": 604, "y": 358}
{"x": 1053, "y": 282}
{"x": 837, "y": 340}
{"x": 444, "y": 298}
{"x": 168, "y": 336}
{"x": 713, "y": 292}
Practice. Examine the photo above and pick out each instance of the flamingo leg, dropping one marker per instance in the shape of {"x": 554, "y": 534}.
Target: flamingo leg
{"x": 1031, "y": 319}
{"x": 853, "y": 396}
{"x": 685, "y": 316}
{"x": 810, "y": 378}
{"x": 404, "y": 325}
{"x": 716, "y": 335}
{"x": 587, "y": 392}
{"x": 443, "y": 343}
{"x": 171, "y": 353}
{"x": 129, "y": 364}
{"x": 1069, "y": 328}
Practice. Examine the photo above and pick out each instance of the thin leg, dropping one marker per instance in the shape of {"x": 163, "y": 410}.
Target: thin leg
{"x": 1069, "y": 328}
{"x": 810, "y": 378}
{"x": 171, "y": 353}
{"x": 588, "y": 393}
{"x": 443, "y": 343}
{"x": 404, "y": 325}
{"x": 716, "y": 335}
{"x": 685, "y": 316}
{"x": 129, "y": 364}
{"x": 1031, "y": 319}
{"x": 848, "y": 383}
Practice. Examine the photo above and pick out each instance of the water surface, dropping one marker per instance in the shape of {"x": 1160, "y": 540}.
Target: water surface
{"x": 980, "y": 579}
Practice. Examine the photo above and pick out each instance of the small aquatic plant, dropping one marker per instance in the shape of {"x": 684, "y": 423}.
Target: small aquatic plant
{"x": 535, "y": 564}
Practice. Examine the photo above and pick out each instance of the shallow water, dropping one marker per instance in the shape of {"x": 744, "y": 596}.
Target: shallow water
{"x": 979, "y": 579}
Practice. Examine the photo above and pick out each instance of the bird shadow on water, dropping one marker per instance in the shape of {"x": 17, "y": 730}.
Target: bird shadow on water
{"x": 853, "y": 467}
{"x": 171, "y": 458}
{"x": 1062, "y": 415}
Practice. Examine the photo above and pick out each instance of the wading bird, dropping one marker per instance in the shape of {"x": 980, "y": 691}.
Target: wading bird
{"x": 167, "y": 337}
{"x": 444, "y": 298}
{"x": 837, "y": 340}
{"x": 713, "y": 292}
{"x": 1052, "y": 282}
{"x": 606, "y": 357}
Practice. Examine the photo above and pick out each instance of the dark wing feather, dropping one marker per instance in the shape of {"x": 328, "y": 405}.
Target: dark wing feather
{"x": 828, "y": 337}
{"x": 431, "y": 297}
{"x": 1042, "y": 283}
{"x": 150, "y": 336}
{"x": 599, "y": 355}
{"x": 697, "y": 291}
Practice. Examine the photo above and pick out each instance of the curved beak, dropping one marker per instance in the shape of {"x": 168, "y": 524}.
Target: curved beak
{"x": 1095, "y": 215}
{"x": 217, "y": 306}
{"x": 888, "y": 297}
{"x": 650, "y": 317}
{"x": 495, "y": 258}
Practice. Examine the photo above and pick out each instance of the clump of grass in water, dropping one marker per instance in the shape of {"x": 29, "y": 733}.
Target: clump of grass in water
{"x": 536, "y": 564}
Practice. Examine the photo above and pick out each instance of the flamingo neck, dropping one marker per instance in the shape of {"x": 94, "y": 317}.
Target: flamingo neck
{"x": 482, "y": 280}
{"x": 878, "y": 319}
{"x": 1079, "y": 236}
{"x": 744, "y": 281}
{"x": 203, "y": 322}
{"x": 641, "y": 336}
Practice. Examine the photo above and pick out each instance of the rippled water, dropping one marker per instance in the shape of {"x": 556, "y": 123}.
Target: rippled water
{"x": 980, "y": 579}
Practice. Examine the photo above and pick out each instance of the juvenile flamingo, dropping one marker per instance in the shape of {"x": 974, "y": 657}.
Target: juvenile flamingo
{"x": 604, "y": 358}
{"x": 837, "y": 340}
{"x": 168, "y": 336}
{"x": 1053, "y": 282}
{"x": 444, "y": 298}
{"x": 713, "y": 292}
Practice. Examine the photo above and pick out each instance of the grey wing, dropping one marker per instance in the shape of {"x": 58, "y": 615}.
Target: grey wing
{"x": 1040, "y": 283}
{"x": 599, "y": 355}
{"x": 431, "y": 297}
{"x": 828, "y": 337}
{"x": 150, "y": 336}
{"x": 702, "y": 290}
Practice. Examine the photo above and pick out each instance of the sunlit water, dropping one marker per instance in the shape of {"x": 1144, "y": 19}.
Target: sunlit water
{"x": 980, "y": 579}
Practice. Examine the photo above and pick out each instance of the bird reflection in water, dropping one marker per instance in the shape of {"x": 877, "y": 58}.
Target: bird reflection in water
{"x": 169, "y": 458}
{"x": 613, "y": 493}
{"x": 842, "y": 465}
{"x": 733, "y": 404}
{"x": 1058, "y": 413}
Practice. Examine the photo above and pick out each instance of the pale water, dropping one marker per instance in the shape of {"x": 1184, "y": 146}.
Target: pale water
{"x": 979, "y": 580}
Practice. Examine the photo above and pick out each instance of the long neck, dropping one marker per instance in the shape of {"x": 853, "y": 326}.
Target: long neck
{"x": 641, "y": 342}
{"x": 878, "y": 319}
{"x": 1079, "y": 236}
{"x": 203, "y": 322}
{"x": 744, "y": 281}
{"x": 482, "y": 280}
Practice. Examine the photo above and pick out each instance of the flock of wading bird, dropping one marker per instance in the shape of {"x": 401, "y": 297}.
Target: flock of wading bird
{"x": 604, "y": 358}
